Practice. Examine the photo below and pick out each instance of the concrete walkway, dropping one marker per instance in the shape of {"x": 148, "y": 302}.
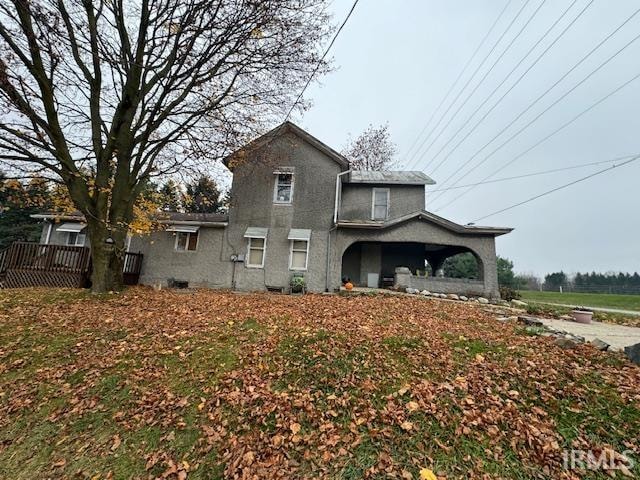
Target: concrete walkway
{"x": 618, "y": 336}
{"x": 597, "y": 309}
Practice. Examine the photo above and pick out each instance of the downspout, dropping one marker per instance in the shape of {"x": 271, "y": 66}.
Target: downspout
{"x": 338, "y": 195}
{"x": 335, "y": 225}
{"x": 48, "y": 238}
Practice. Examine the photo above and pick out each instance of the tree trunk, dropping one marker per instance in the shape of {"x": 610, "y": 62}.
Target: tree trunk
{"x": 107, "y": 258}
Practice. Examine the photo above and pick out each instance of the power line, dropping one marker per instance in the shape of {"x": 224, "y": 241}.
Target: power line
{"x": 484, "y": 77}
{"x": 561, "y": 187}
{"x": 462, "y": 72}
{"x": 324, "y": 55}
{"x": 535, "y": 62}
{"x": 396, "y": 198}
{"x": 442, "y": 117}
{"x": 533, "y": 174}
{"x": 544, "y": 139}
{"x": 593, "y": 72}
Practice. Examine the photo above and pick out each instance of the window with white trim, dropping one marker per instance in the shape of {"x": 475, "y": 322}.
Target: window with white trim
{"x": 76, "y": 239}
{"x": 186, "y": 241}
{"x": 255, "y": 252}
{"x": 283, "y": 188}
{"x": 380, "y": 204}
{"x": 299, "y": 254}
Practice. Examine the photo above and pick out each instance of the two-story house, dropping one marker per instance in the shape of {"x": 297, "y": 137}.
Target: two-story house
{"x": 297, "y": 209}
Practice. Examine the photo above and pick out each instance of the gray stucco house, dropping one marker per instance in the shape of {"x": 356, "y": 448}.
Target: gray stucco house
{"x": 298, "y": 209}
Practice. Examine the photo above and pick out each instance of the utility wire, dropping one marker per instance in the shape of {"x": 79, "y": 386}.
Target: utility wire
{"x": 544, "y": 139}
{"x": 484, "y": 77}
{"x": 561, "y": 187}
{"x": 455, "y": 82}
{"x": 442, "y": 117}
{"x": 324, "y": 55}
{"x": 533, "y": 174}
{"x": 593, "y": 72}
{"x": 535, "y": 62}
{"x": 367, "y": 203}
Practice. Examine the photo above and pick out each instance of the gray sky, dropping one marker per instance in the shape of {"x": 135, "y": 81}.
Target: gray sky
{"x": 396, "y": 60}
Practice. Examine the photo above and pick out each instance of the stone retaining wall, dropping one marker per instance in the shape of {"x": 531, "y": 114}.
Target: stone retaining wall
{"x": 461, "y": 286}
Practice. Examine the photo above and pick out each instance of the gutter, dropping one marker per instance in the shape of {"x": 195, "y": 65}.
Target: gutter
{"x": 193, "y": 222}
{"x": 334, "y": 227}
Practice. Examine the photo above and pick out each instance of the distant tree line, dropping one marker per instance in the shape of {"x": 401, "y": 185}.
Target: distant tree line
{"x": 611, "y": 282}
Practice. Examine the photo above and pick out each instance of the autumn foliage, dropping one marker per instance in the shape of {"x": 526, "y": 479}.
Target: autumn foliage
{"x": 162, "y": 384}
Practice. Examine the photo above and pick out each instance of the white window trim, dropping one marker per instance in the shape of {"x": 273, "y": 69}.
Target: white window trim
{"x": 275, "y": 189}
{"x": 373, "y": 202}
{"x": 186, "y": 250}
{"x": 306, "y": 258}
{"x": 76, "y": 244}
{"x": 264, "y": 252}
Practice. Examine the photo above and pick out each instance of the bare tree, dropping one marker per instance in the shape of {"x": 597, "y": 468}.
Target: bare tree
{"x": 372, "y": 150}
{"x": 105, "y": 94}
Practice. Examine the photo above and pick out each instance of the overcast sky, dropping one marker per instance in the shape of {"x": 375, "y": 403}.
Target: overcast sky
{"x": 395, "y": 61}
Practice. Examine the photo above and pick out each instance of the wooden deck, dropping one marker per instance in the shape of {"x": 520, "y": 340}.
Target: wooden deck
{"x": 26, "y": 264}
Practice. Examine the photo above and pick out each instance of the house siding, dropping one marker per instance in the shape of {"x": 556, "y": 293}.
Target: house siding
{"x": 252, "y": 206}
{"x": 203, "y": 267}
{"x": 357, "y": 200}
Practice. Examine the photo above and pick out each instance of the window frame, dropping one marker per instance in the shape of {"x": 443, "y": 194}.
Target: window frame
{"x": 76, "y": 244}
{"x": 186, "y": 250}
{"x": 306, "y": 258}
{"x": 275, "y": 188}
{"x": 373, "y": 203}
{"x": 248, "y": 256}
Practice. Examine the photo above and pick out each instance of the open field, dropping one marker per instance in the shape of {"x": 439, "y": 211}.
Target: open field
{"x": 621, "y": 302}
{"x": 206, "y": 385}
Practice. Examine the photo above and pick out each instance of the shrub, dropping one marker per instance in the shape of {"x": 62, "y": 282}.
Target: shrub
{"x": 297, "y": 284}
{"x": 508, "y": 293}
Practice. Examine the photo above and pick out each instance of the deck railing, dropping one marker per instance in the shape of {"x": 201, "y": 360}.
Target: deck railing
{"x": 26, "y": 264}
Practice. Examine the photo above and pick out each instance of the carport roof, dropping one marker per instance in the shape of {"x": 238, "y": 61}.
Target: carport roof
{"x": 429, "y": 217}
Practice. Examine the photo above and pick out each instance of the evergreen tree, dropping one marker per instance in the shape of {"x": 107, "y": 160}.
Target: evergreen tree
{"x": 17, "y": 203}
{"x": 170, "y": 197}
{"x": 203, "y": 196}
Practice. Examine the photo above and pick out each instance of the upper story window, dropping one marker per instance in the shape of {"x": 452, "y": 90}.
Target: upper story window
{"x": 283, "y": 189}
{"x": 380, "y": 204}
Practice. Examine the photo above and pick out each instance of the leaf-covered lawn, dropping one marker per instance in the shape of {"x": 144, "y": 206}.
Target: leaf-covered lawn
{"x": 208, "y": 385}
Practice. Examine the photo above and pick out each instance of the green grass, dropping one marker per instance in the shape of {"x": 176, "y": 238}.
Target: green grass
{"x": 621, "y": 302}
{"x": 210, "y": 383}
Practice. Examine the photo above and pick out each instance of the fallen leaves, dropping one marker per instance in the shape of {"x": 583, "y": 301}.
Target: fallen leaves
{"x": 426, "y": 474}
{"x": 233, "y": 379}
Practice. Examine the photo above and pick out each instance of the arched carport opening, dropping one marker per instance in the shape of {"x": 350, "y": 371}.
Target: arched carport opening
{"x": 373, "y": 264}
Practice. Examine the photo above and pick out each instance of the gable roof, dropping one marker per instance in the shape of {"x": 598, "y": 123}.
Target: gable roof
{"x": 390, "y": 177}
{"x": 288, "y": 127}
{"x": 429, "y": 217}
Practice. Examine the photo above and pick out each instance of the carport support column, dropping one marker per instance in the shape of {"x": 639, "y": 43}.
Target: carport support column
{"x": 490, "y": 274}
{"x": 436, "y": 262}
